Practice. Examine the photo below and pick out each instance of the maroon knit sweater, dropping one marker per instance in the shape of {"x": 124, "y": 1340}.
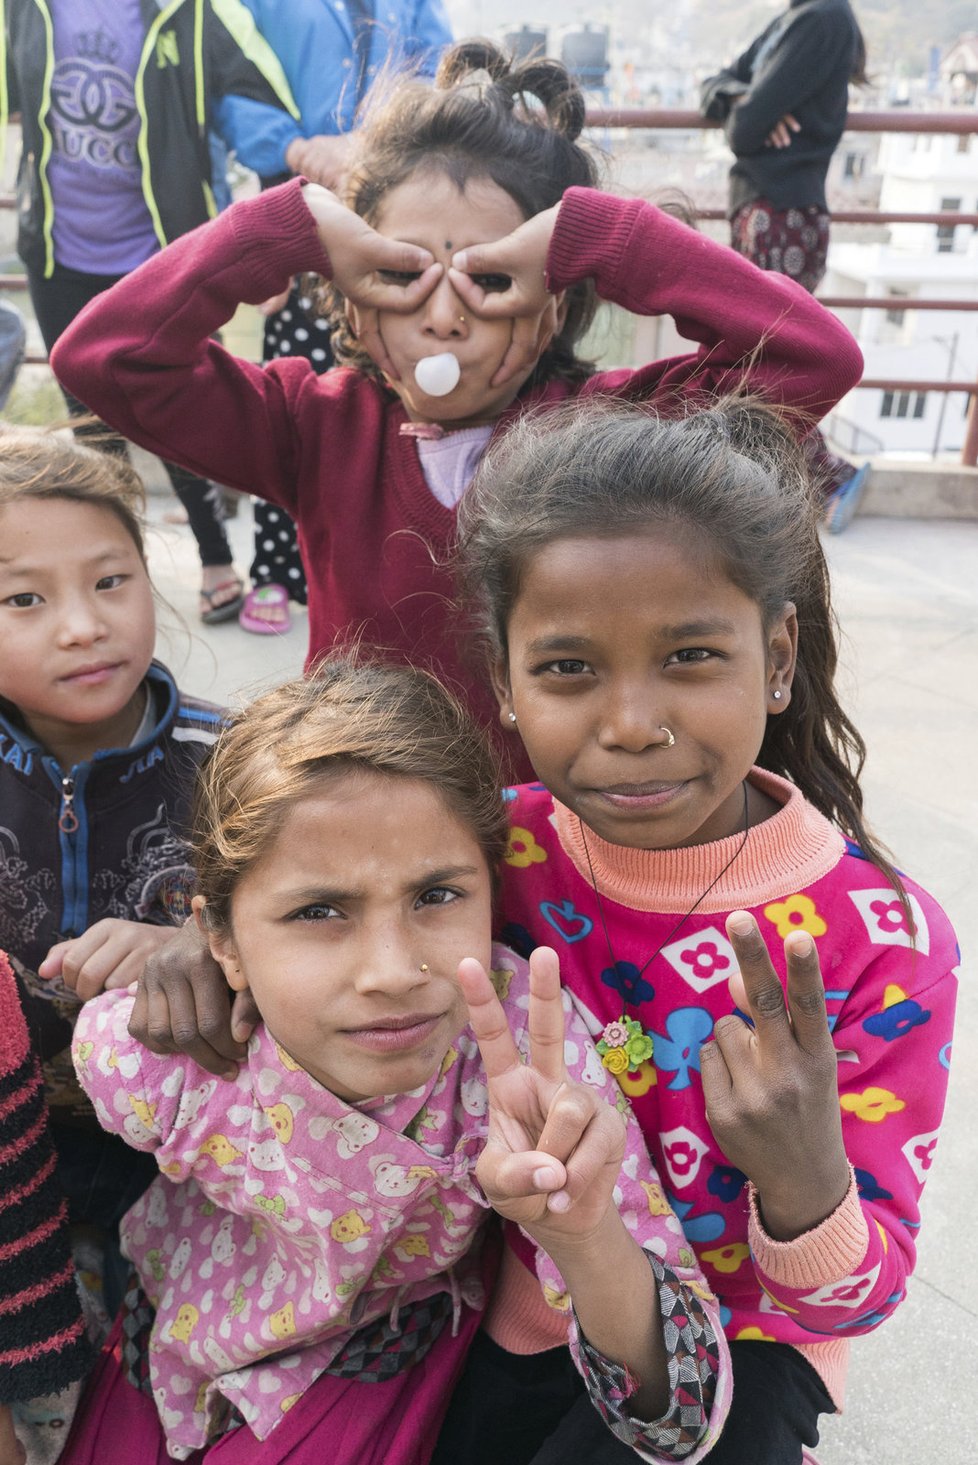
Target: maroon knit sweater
{"x": 375, "y": 540}
{"x": 42, "y": 1334}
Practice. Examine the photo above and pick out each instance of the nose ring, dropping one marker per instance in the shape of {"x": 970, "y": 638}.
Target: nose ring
{"x": 670, "y": 741}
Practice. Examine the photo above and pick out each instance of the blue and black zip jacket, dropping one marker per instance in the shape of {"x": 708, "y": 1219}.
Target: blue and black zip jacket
{"x": 194, "y": 53}
{"x": 104, "y": 838}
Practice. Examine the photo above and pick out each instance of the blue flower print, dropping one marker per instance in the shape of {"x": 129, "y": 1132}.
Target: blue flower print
{"x": 518, "y": 939}
{"x": 626, "y": 978}
{"x": 869, "y": 1187}
{"x": 687, "y": 1029}
{"x": 708, "y": 1227}
{"x": 726, "y": 1182}
{"x": 897, "y": 1020}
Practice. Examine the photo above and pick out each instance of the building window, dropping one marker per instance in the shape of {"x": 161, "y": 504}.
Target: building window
{"x": 903, "y": 404}
{"x": 945, "y": 232}
{"x": 854, "y": 165}
{"x": 964, "y": 142}
{"x": 895, "y": 316}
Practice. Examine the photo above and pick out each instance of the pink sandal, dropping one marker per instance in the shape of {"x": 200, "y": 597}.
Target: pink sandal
{"x": 266, "y": 611}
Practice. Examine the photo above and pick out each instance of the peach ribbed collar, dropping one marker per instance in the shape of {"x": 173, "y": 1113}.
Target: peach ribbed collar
{"x": 785, "y": 853}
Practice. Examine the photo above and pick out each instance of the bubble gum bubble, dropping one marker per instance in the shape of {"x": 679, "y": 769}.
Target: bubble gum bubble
{"x": 438, "y": 375}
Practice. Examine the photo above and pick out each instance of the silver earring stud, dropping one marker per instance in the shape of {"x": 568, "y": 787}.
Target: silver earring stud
{"x": 670, "y": 741}
{"x": 512, "y": 717}
{"x": 777, "y": 695}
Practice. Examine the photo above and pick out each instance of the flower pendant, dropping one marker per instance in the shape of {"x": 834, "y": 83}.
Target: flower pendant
{"x": 624, "y": 1045}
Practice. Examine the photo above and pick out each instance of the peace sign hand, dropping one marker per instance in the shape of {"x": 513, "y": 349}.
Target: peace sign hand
{"x": 772, "y": 1090}
{"x": 555, "y": 1147}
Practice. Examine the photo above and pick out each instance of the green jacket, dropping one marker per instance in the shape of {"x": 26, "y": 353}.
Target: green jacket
{"x": 194, "y": 52}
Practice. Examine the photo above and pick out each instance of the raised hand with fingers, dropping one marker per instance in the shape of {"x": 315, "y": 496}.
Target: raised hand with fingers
{"x": 508, "y": 278}
{"x": 553, "y": 1163}
{"x": 110, "y": 954}
{"x": 183, "y": 1005}
{"x": 554, "y": 1147}
{"x": 371, "y": 271}
{"x": 772, "y": 1089}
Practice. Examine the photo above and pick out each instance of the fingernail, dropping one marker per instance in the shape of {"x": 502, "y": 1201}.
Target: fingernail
{"x": 740, "y": 923}
{"x": 802, "y": 944}
{"x": 458, "y": 260}
{"x": 230, "y": 1074}
{"x": 545, "y": 1178}
{"x": 559, "y": 1201}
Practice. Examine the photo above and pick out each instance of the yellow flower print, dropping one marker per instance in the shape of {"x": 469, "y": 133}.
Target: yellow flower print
{"x": 727, "y": 1258}
{"x": 638, "y": 1083}
{"x": 872, "y": 1105}
{"x": 797, "y": 913}
{"x": 616, "y": 1061}
{"x": 523, "y": 849}
{"x": 754, "y": 1335}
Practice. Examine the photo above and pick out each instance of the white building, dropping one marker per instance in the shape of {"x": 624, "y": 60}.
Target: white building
{"x": 920, "y": 173}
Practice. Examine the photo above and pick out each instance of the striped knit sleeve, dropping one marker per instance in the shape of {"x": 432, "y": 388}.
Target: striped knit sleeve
{"x": 43, "y": 1346}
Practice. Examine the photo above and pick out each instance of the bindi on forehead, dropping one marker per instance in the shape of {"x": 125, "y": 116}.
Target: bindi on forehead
{"x": 448, "y": 244}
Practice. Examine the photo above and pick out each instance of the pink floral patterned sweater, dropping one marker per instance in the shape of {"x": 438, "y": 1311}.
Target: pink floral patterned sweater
{"x": 285, "y": 1220}
{"x": 890, "y": 1006}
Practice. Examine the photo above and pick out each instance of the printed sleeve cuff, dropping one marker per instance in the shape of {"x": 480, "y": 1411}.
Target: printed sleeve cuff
{"x": 694, "y": 1362}
{"x": 828, "y": 1252}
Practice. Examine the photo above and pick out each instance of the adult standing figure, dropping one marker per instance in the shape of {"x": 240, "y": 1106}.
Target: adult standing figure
{"x": 115, "y": 97}
{"x": 783, "y": 104}
{"x": 331, "y": 51}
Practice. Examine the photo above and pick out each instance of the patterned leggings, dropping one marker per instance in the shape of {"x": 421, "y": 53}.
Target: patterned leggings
{"x": 793, "y": 243}
{"x": 292, "y": 331}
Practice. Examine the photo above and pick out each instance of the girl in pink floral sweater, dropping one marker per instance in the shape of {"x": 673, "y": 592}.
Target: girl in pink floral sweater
{"x": 658, "y": 609}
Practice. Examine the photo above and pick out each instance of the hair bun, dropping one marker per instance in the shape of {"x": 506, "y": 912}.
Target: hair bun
{"x": 461, "y": 61}
{"x": 553, "y": 86}
{"x": 481, "y": 64}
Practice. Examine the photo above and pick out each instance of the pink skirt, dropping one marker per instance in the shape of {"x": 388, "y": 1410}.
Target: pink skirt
{"x": 391, "y": 1423}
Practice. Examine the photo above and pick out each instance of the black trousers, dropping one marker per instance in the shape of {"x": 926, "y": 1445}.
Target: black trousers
{"x": 534, "y": 1410}
{"x": 56, "y": 302}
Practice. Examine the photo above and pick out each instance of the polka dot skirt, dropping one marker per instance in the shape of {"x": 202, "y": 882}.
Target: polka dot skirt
{"x": 290, "y": 332}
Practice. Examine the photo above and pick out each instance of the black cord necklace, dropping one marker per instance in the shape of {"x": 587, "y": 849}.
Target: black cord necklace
{"x": 625, "y": 1044}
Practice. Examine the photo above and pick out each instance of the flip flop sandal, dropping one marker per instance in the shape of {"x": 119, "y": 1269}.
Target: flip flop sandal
{"x": 266, "y": 611}
{"x": 224, "y": 610}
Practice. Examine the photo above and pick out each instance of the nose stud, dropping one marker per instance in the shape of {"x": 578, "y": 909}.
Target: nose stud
{"x": 462, "y": 319}
{"x": 423, "y": 967}
{"x": 670, "y": 741}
